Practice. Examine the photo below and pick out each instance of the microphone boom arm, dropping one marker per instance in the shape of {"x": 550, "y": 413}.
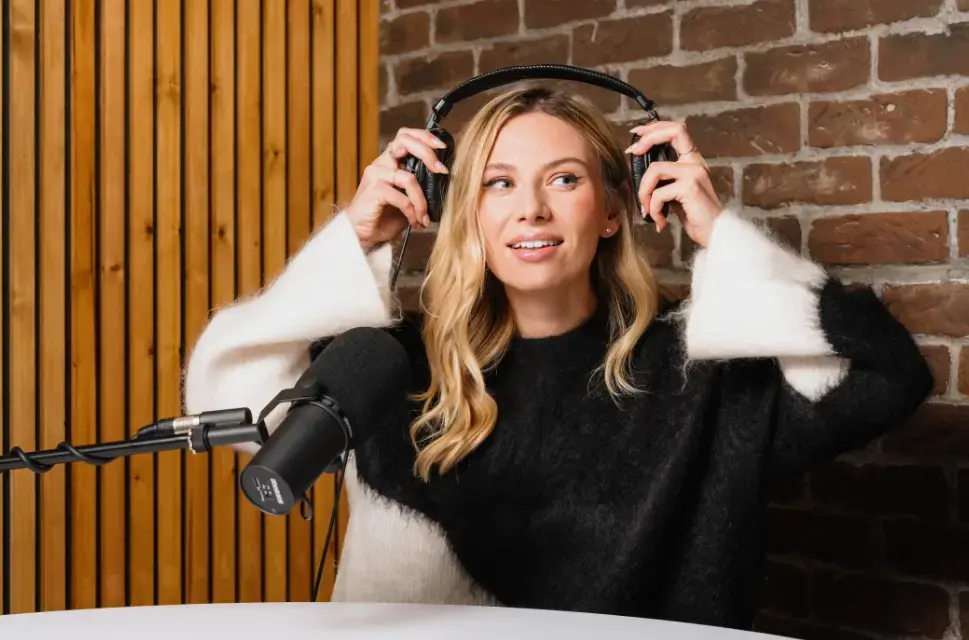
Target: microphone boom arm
{"x": 197, "y": 439}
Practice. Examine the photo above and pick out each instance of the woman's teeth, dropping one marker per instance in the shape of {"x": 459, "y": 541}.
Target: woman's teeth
{"x": 536, "y": 244}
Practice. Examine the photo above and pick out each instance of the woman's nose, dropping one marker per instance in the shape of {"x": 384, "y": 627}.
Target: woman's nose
{"x": 533, "y": 206}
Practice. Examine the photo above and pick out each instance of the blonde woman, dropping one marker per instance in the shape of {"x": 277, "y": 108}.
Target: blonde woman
{"x": 574, "y": 441}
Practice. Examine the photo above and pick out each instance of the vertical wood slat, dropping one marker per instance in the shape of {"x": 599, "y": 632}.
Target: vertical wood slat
{"x": 347, "y": 132}
{"x": 274, "y": 166}
{"x": 4, "y": 400}
{"x": 112, "y": 297}
{"x": 324, "y": 44}
{"x": 171, "y": 157}
{"x": 249, "y": 257}
{"x": 168, "y": 305}
{"x": 21, "y": 301}
{"x": 53, "y": 326}
{"x": 83, "y": 234}
{"x": 141, "y": 311}
{"x": 224, "y": 461}
{"x": 298, "y": 216}
{"x": 196, "y": 279}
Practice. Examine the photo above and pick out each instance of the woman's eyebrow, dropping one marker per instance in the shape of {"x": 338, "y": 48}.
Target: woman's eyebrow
{"x": 505, "y": 166}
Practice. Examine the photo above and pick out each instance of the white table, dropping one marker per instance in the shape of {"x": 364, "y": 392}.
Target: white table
{"x": 298, "y": 621}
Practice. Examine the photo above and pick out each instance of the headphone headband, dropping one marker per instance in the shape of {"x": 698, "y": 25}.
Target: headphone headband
{"x": 506, "y": 75}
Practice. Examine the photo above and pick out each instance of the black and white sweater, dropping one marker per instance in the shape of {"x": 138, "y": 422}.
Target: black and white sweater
{"x": 654, "y": 508}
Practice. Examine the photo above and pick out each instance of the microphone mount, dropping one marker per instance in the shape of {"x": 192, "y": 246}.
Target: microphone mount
{"x": 194, "y": 433}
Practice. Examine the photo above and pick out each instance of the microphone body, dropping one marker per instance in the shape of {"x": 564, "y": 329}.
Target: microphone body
{"x": 348, "y": 390}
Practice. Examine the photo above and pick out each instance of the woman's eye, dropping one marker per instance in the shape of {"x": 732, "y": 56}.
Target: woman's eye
{"x": 570, "y": 180}
{"x": 501, "y": 183}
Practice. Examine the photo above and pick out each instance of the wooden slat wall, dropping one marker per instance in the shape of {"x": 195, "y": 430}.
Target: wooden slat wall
{"x": 159, "y": 159}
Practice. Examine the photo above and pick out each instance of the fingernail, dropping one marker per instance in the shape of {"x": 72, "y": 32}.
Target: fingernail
{"x": 426, "y": 221}
{"x": 629, "y": 148}
{"x": 439, "y": 143}
{"x": 440, "y": 167}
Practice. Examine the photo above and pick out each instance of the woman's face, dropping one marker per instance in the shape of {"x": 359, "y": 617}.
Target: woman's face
{"x": 542, "y": 205}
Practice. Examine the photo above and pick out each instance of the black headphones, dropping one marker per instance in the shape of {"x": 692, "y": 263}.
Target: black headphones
{"x": 434, "y": 185}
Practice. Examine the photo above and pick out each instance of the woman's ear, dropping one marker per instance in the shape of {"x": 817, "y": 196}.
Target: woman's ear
{"x": 613, "y": 218}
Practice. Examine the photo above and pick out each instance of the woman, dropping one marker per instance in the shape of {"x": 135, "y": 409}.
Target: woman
{"x": 571, "y": 443}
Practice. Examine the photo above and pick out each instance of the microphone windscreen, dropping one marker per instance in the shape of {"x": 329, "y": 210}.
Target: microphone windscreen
{"x": 366, "y": 371}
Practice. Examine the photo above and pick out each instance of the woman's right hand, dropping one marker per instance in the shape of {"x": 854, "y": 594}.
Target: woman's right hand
{"x": 380, "y": 210}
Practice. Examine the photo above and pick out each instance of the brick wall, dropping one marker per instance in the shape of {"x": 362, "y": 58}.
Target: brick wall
{"x": 844, "y": 125}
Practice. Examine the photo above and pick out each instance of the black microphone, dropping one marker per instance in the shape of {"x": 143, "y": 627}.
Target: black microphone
{"x": 349, "y": 388}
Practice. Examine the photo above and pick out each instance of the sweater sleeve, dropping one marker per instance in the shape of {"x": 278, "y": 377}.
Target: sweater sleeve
{"x": 259, "y": 345}
{"x": 846, "y": 370}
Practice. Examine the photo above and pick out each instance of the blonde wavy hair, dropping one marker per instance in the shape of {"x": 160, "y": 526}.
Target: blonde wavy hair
{"x": 467, "y": 324}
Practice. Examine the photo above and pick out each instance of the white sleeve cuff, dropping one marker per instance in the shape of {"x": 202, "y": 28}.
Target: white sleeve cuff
{"x": 256, "y": 346}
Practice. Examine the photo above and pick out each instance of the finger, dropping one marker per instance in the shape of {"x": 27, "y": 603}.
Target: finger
{"x": 408, "y": 182}
{"x": 405, "y": 145}
{"x": 660, "y": 197}
{"x": 398, "y": 179}
{"x": 395, "y": 198}
{"x": 662, "y": 131}
{"x": 659, "y": 171}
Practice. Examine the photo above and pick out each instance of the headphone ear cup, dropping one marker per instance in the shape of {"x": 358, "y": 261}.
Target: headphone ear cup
{"x": 435, "y": 186}
{"x": 640, "y": 163}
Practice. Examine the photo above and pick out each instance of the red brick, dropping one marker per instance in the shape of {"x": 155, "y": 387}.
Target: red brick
{"x": 928, "y": 549}
{"x": 887, "y": 118}
{"x": 614, "y": 41}
{"x": 845, "y": 15}
{"x": 882, "y": 490}
{"x": 881, "y": 238}
{"x": 382, "y": 84}
{"x": 748, "y": 131}
{"x": 406, "y": 32}
{"x": 419, "y": 247}
{"x": 409, "y": 294}
{"x": 962, "y": 233}
{"x": 722, "y": 180}
{"x": 939, "y": 309}
{"x": 410, "y": 4}
{"x": 504, "y": 54}
{"x": 936, "y": 429}
{"x": 540, "y": 14}
{"x": 939, "y": 361}
{"x": 442, "y": 72}
{"x": 784, "y": 229}
{"x": 785, "y": 589}
{"x": 961, "y": 124}
{"x": 917, "y": 55}
{"x": 735, "y": 26}
{"x": 940, "y": 174}
{"x": 849, "y": 541}
{"x": 963, "y": 374}
{"x": 962, "y": 5}
{"x": 409, "y": 114}
{"x": 636, "y": 4}
{"x": 467, "y": 22}
{"x": 830, "y": 181}
{"x": 681, "y": 84}
{"x": 883, "y": 605}
{"x": 658, "y": 246}
{"x": 830, "y": 66}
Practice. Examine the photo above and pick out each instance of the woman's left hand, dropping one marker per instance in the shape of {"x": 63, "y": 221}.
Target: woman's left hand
{"x": 691, "y": 185}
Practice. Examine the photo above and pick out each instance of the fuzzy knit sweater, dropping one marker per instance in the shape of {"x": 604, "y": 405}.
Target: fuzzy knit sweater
{"x": 654, "y": 507}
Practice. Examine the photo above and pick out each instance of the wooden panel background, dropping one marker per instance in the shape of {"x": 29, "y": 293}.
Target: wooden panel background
{"x": 160, "y": 158}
